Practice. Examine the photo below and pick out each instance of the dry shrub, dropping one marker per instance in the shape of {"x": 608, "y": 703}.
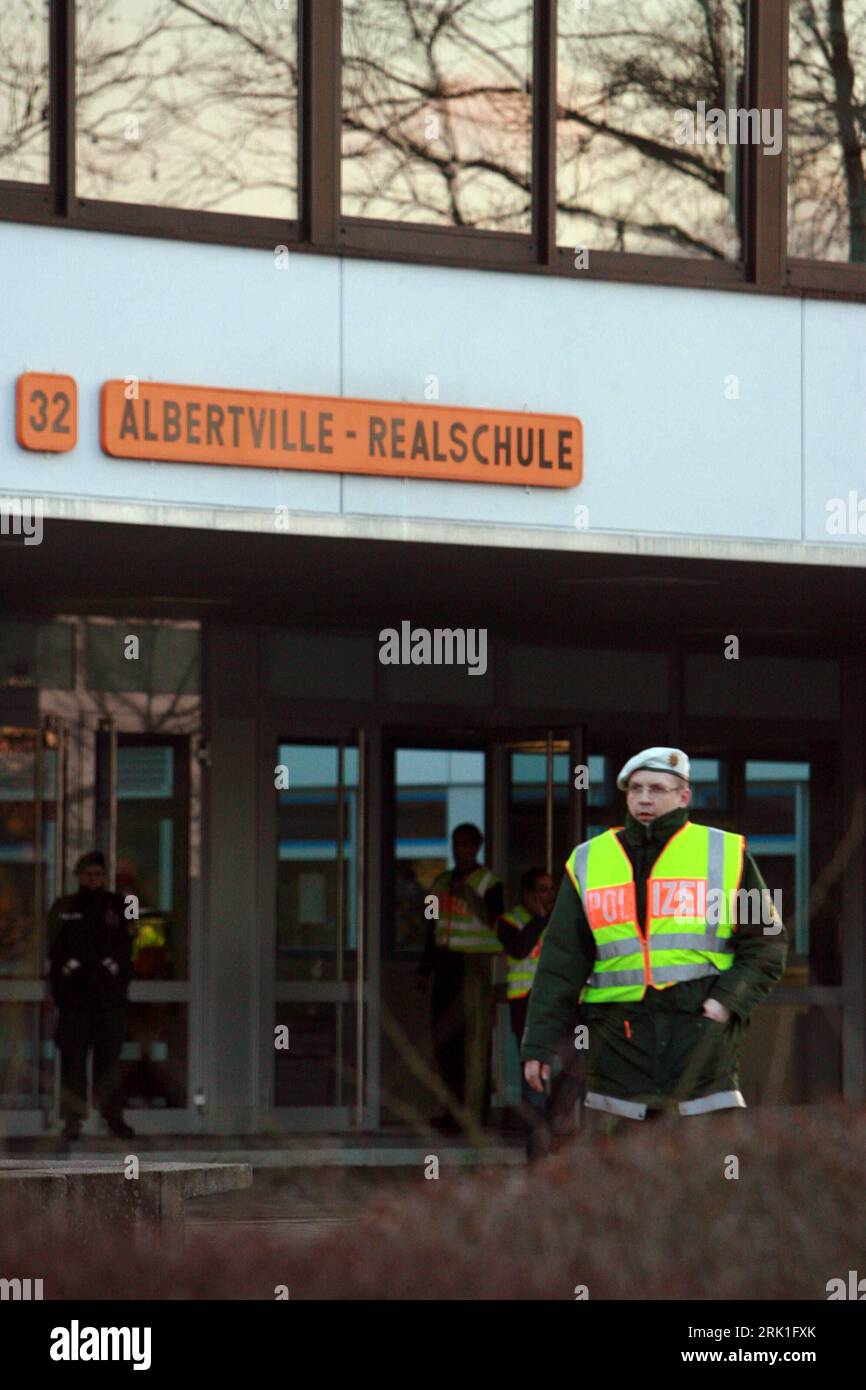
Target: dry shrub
{"x": 648, "y": 1215}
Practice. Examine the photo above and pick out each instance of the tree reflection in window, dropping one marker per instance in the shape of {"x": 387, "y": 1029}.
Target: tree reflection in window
{"x": 24, "y": 90}
{"x": 827, "y": 127}
{"x": 437, "y": 112}
{"x": 623, "y": 181}
{"x": 188, "y": 105}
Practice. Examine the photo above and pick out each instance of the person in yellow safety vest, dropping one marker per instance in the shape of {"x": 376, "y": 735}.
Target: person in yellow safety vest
{"x": 666, "y": 934}
{"x": 521, "y": 932}
{"x": 151, "y": 957}
{"x": 458, "y": 957}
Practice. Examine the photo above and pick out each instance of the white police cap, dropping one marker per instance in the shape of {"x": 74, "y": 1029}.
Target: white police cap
{"x": 672, "y": 760}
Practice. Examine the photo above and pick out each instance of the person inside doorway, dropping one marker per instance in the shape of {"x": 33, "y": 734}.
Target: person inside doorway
{"x": 458, "y": 965}
{"x": 521, "y": 932}
{"x": 90, "y": 969}
{"x": 147, "y": 1081}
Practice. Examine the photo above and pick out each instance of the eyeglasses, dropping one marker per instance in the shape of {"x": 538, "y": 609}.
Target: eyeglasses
{"x": 654, "y": 789}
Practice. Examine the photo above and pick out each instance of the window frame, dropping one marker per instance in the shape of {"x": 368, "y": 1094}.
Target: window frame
{"x": 321, "y": 227}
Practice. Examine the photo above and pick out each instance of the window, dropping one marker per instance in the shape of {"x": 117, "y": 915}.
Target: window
{"x": 436, "y": 789}
{"x": 827, "y": 88}
{"x": 186, "y": 106}
{"x": 624, "y": 181}
{"x": 138, "y": 656}
{"x": 777, "y": 826}
{"x": 24, "y": 90}
{"x": 36, "y": 654}
{"x": 419, "y": 123}
{"x": 708, "y": 784}
{"x": 317, "y": 862}
{"x": 437, "y": 112}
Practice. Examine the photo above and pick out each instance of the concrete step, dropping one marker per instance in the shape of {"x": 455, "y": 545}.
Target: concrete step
{"x": 87, "y": 1195}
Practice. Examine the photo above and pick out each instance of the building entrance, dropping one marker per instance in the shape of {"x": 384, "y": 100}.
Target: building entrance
{"x": 522, "y": 790}
{"x": 94, "y": 765}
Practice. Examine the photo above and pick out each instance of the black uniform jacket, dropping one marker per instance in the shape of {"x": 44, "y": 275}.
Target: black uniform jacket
{"x": 89, "y": 927}
{"x": 662, "y": 1045}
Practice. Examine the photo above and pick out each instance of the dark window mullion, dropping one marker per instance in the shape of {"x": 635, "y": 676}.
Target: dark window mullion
{"x": 61, "y": 105}
{"x": 320, "y": 45}
{"x": 544, "y": 31}
{"x": 767, "y": 181}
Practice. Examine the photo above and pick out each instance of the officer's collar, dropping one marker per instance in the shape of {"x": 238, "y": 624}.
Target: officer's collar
{"x": 658, "y": 830}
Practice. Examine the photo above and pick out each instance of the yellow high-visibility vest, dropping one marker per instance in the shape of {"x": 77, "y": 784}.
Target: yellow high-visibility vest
{"x": 689, "y": 923}
{"x": 521, "y": 971}
{"x": 457, "y": 926}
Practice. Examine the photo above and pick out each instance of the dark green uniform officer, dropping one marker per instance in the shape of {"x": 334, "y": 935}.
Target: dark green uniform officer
{"x": 667, "y": 1034}
{"x": 90, "y": 971}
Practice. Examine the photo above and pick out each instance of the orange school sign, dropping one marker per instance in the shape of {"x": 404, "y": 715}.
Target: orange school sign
{"x": 334, "y": 434}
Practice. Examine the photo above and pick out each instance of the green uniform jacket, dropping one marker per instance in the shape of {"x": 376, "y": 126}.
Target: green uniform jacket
{"x": 663, "y": 1045}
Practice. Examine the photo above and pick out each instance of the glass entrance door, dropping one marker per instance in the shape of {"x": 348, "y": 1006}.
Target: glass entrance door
{"x": 518, "y": 788}
{"x": 32, "y": 784}
{"x": 539, "y": 792}
{"x": 317, "y": 1041}
{"x": 538, "y": 795}
{"x": 432, "y": 785}
{"x": 143, "y": 828}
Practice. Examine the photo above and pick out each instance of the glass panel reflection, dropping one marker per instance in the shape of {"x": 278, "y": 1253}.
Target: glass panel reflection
{"x": 437, "y": 112}
{"x": 28, "y": 817}
{"x": 153, "y": 851}
{"x": 187, "y": 106}
{"x": 317, "y": 894}
{"x": 34, "y": 654}
{"x": 777, "y": 826}
{"x": 436, "y": 790}
{"x": 168, "y": 657}
{"x": 632, "y": 175}
{"x": 26, "y": 1057}
{"x": 24, "y": 90}
{"x": 527, "y": 817}
{"x": 318, "y": 1066}
{"x": 827, "y": 90}
{"x": 708, "y": 786}
{"x": 153, "y": 1060}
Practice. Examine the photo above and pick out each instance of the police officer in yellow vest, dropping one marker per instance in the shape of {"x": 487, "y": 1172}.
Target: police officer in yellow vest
{"x": 459, "y": 951}
{"x": 521, "y": 932}
{"x": 666, "y": 933}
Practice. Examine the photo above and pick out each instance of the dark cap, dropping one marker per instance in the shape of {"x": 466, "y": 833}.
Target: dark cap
{"x": 93, "y": 859}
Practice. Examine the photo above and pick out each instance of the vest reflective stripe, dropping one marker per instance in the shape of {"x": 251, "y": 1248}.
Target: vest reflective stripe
{"x": 457, "y": 927}
{"x": 688, "y": 930}
{"x": 699, "y": 941}
{"x": 521, "y": 972}
{"x": 577, "y": 867}
{"x": 719, "y": 1100}
{"x": 612, "y": 1105}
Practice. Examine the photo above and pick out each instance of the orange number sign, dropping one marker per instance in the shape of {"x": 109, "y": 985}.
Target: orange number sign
{"x": 46, "y": 412}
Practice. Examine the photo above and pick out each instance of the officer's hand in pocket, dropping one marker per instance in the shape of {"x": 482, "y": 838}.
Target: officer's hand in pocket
{"x": 715, "y": 1010}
